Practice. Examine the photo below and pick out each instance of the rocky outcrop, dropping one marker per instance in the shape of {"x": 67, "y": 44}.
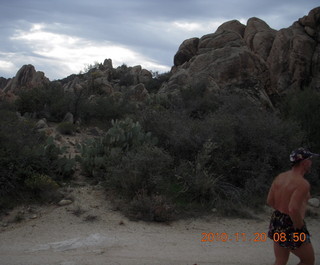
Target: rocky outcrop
{"x": 105, "y": 80}
{"x": 259, "y": 37}
{"x": 138, "y": 93}
{"x": 3, "y": 82}
{"x": 26, "y": 78}
{"x": 291, "y": 58}
{"x": 253, "y": 58}
{"x": 186, "y": 51}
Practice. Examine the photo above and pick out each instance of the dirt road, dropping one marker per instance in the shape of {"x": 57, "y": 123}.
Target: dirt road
{"x": 89, "y": 232}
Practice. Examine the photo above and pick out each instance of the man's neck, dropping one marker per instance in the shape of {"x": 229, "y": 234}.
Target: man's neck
{"x": 298, "y": 171}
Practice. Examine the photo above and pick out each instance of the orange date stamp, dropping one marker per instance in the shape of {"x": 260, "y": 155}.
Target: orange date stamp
{"x": 235, "y": 237}
{"x": 253, "y": 237}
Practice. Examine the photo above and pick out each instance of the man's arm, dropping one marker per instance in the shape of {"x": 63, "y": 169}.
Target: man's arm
{"x": 270, "y": 199}
{"x": 296, "y": 203}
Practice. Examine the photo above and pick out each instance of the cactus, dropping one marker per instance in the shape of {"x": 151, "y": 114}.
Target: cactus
{"x": 127, "y": 134}
{"x": 124, "y": 135}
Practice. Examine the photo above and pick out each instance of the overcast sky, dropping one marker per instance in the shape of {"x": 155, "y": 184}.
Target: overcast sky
{"x": 62, "y": 37}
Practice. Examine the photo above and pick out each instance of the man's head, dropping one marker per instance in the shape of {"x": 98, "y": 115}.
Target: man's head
{"x": 300, "y": 155}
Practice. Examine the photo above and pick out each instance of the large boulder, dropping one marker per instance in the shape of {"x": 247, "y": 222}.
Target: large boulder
{"x": 145, "y": 76}
{"x": 73, "y": 85}
{"x": 311, "y": 25}
{"x": 138, "y": 93}
{"x": 187, "y": 50}
{"x": 220, "y": 39}
{"x": 259, "y": 37}
{"x": 140, "y": 75}
{"x": 26, "y": 78}
{"x": 254, "y": 58}
{"x": 103, "y": 84}
{"x": 108, "y": 64}
{"x": 135, "y": 71}
{"x": 290, "y": 59}
{"x": 233, "y": 26}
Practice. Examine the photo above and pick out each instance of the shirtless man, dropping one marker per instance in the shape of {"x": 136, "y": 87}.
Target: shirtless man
{"x": 288, "y": 195}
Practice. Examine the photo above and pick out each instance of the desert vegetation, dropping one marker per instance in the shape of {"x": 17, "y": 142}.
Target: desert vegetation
{"x": 31, "y": 164}
{"x": 170, "y": 155}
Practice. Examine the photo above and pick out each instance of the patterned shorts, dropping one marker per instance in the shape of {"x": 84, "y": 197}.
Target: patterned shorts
{"x": 281, "y": 230}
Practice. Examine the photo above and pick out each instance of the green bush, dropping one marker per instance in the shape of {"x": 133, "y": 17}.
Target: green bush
{"x": 224, "y": 157}
{"x": 156, "y": 82}
{"x": 42, "y": 187}
{"x": 50, "y": 102}
{"x": 40, "y": 182}
{"x": 303, "y": 107}
{"x": 139, "y": 176}
{"x": 124, "y": 135}
{"x": 105, "y": 109}
{"x": 150, "y": 208}
{"x": 25, "y": 152}
{"x": 251, "y": 146}
{"x": 147, "y": 168}
{"x": 67, "y": 128}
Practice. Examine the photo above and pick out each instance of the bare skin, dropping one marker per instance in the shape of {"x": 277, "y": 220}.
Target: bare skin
{"x": 289, "y": 194}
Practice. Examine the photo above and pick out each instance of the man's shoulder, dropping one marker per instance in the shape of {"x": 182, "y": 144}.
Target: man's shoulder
{"x": 283, "y": 175}
{"x": 305, "y": 183}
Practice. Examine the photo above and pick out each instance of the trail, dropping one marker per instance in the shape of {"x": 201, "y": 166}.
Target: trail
{"x": 99, "y": 235}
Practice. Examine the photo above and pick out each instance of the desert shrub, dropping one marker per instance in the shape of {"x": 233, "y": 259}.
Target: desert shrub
{"x": 89, "y": 67}
{"x": 150, "y": 208}
{"x": 128, "y": 163}
{"x": 7, "y": 106}
{"x": 146, "y": 167}
{"x": 141, "y": 177}
{"x": 50, "y": 102}
{"x": 176, "y": 131}
{"x": 197, "y": 101}
{"x": 66, "y": 128}
{"x": 25, "y": 152}
{"x": 105, "y": 109}
{"x": 126, "y": 79}
{"x": 40, "y": 182}
{"x": 201, "y": 184}
{"x": 156, "y": 82}
{"x": 122, "y": 136}
{"x": 225, "y": 158}
{"x": 120, "y": 71}
{"x": 31, "y": 101}
{"x": 156, "y": 102}
{"x": 251, "y": 146}
{"x": 304, "y": 108}
{"x": 42, "y": 187}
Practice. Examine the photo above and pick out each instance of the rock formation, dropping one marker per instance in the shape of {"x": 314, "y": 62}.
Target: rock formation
{"x": 253, "y": 58}
{"x": 26, "y": 78}
{"x": 3, "y": 82}
{"x": 105, "y": 80}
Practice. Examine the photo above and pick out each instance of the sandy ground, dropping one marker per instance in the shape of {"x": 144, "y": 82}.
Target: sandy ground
{"x": 100, "y": 235}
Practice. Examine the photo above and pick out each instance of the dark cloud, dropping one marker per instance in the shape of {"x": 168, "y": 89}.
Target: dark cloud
{"x": 151, "y": 29}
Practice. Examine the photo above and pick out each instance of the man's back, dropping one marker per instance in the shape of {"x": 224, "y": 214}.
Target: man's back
{"x": 283, "y": 190}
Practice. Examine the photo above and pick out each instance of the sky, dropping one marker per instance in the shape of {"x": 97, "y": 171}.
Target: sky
{"x": 64, "y": 37}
